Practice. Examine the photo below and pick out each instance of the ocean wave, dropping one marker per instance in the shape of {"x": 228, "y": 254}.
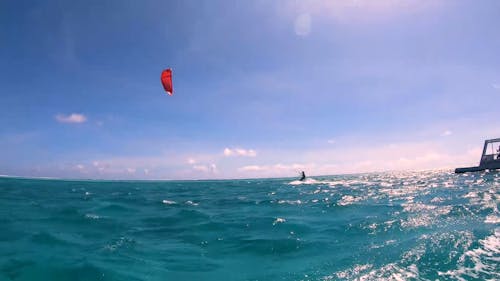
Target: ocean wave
{"x": 480, "y": 262}
{"x": 386, "y": 226}
{"x": 390, "y": 272}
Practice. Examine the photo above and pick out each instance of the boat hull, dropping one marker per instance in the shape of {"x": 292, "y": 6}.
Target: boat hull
{"x": 494, "y": 165}
{"x": 468, "y": 169}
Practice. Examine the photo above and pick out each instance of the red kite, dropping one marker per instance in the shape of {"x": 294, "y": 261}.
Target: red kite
{"x": 166, "y": 81}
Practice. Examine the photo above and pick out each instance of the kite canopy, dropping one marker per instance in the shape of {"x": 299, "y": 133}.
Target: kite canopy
{"x": 166, "y": 81}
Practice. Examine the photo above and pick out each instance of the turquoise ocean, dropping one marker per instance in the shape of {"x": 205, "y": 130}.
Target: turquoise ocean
{"x": 432, "y": 225}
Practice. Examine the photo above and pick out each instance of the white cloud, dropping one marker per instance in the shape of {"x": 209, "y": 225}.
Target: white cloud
{"x": 331, "y": 141}
{"x": 100, "y": 166}
{"x": 396, "y": 156}
{"x": 209, "y": 168}
{"x": 252, "y": 168}
{"x": 274, "y": 169}
{"x": 201, "y": 168}
{"x": 496, "y": 86}
{"x": 446, "y": 133}
{"x": 358, "y": 157}
{"x": 415, "y": 149}
{"x": 303, "y": 24}
{"x": 131, "y": 170}
{"x": 239, "y": 152}
{"x": 146, "y": 171}
{"x": 72, "y": 118}
{"x": 80, "y": 168}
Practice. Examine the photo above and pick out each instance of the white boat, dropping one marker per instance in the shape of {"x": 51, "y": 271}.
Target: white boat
{"x": 490, "y": 159}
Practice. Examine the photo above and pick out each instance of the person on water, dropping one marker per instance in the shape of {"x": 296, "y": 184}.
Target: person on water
{"x": 302, "y": 176}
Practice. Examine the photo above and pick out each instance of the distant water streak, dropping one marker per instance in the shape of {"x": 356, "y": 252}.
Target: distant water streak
{"x": 389, "y": 226}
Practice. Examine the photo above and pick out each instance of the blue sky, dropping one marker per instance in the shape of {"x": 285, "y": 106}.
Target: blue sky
{"x": 262, "y": 88}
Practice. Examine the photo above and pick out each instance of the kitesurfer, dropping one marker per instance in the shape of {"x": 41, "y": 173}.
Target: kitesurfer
{"x": 302, "y": 176}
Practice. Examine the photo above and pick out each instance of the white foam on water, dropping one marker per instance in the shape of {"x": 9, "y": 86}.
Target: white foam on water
{"x": 332, "y": 183}
{"x": 290, "y": 202}
{"x": 373, "y": 226}
{"x": 168, "y": 202}
{"x": 350, "y": 273}
{"x": 306, "y": 181}
{"x": 189, "y": 202}
{"x": 386, "y": 184}
{"x": 390, "y": 272}
{"x": 484, "y": 200}
{"x": 338, "y": 183}
{"x": 348, "y": 200}
{"x": 416, "y": 221}
{"x": 92, "y": 216}
{"x": 388, "y": 224}
{"x": 417, "y": 207}
{"x": 407, "y": 268}
{"x": 471, "y": 194}
{"x": 422, "y": 214}
{"x": 479, "y": 263}
{"x": 437, "y": 200}
{"x": 388, "y": 242}
{"x": 279, "y": 220}
{"x": 490, "y": 201}
{"x": 492, "y": 219}
{"x": 461, "y": 241}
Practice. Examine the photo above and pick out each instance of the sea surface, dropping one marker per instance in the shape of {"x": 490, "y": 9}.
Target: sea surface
{"x": 386, "y": 226}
